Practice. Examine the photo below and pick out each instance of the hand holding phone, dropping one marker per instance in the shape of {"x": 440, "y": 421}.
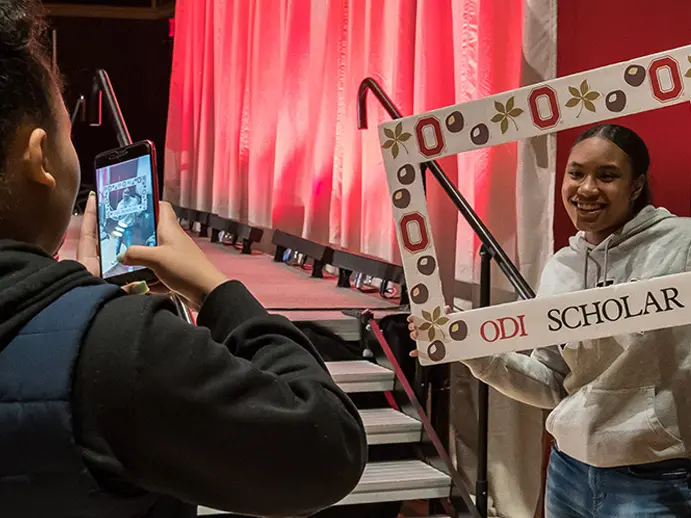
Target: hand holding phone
{"x": 127, "y": 208}
{"x": 177, "y": 261}
{"x": 133, "y": 244}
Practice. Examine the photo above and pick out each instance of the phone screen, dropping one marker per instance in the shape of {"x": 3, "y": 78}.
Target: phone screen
{"x": 126, "y": 214}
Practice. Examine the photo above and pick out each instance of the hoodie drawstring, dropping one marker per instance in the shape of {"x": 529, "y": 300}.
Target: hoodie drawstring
{"x": 607, "y": 243}
{"x": 604, "y": 270}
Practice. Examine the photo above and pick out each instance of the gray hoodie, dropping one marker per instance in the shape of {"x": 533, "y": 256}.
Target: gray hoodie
{"x": 621, "y": 400}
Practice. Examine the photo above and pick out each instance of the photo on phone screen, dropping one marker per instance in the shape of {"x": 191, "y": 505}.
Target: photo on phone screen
{"x": 126, "y": 214}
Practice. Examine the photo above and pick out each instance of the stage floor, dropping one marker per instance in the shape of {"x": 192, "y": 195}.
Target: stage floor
{"x": 283, "y": 289}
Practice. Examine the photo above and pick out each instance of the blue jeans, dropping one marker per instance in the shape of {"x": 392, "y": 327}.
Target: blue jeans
{"x": 577, "y": 490}
{"x": 125, "y": 238}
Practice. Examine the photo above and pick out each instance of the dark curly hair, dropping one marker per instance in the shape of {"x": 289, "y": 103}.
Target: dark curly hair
{"x": 27, "y": 81}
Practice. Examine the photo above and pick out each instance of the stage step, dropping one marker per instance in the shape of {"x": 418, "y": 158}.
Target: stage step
{"x": 391, "y": 481}
{"x": 347, "y": 326}
{"x": 399, "y": 480}
{"x": 361, "y": 376}
{"x": 389, "y": 426}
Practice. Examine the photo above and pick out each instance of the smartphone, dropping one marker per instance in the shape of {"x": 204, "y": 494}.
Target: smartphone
{"x": 127, "y": 193}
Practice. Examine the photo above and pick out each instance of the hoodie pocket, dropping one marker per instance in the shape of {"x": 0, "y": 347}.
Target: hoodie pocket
{"x": 656, "y": 423}
{"x": 612, "y": 427}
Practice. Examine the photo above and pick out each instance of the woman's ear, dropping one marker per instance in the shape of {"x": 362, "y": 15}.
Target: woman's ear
{"x": 638, "y": 185}
{"x": 35, "y": 159}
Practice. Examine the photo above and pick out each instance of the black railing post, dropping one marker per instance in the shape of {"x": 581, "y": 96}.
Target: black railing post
{"x": 481, "y": 484}
{"x": 102, "y": 87}
{"x": 79, "y": 110}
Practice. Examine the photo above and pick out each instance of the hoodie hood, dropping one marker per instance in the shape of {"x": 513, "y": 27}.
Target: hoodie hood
{"x": 654, "y": 242}
{"x": 646, "y": 217}
{"x": 31, "y": 280}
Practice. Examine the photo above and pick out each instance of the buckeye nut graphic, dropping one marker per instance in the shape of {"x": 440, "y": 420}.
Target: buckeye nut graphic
{"x": 406, "y": 174}
{"x": 455, "y": 122}
{"x": 615, "y": 101}
{"x": 436, "y": 351}
{"x": 479, "y": 134}
{"x": 458, "y": 330}
{"x": 419, "y": 294}
{"x": 634, "y": 75}
{"x": 401, "y": 198}
{"x": 426, "y": 265}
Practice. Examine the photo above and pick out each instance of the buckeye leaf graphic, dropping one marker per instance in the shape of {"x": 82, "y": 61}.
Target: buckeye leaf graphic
{"x": 583, "y": 96}
{"x": 396, "y": 138}
{"x": 506, "y": 113}
{"x": 399, "y": 129}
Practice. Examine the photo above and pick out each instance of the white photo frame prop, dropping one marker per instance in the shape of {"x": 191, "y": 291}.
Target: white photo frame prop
{"x": 139, "y": 183}
{"x": 635, "y": 86}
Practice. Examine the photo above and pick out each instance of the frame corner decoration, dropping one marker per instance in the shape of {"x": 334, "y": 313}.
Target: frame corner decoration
{"x": 643, "y": 84}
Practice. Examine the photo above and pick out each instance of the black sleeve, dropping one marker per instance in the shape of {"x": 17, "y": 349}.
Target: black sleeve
{"x": 238, "y": 414}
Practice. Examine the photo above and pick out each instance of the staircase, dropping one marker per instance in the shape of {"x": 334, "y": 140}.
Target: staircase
{"x": 383, "y": 481}
{"x": 397, "y": 441}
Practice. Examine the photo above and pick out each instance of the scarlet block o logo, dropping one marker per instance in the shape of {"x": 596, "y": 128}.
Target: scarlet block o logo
{"x": 677, "y": 84}
{"x": 503, "y": 328}
{"x": 415, "y": 220}
{"x": 554, "y": 113}
{"x": 433, "y": 123}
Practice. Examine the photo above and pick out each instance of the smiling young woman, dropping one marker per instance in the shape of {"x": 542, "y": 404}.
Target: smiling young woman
{"x": 620, "y": 410}
{"x": 606, "y": 180}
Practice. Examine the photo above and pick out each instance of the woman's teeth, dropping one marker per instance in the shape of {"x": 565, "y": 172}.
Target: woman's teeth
{"x": 588, "y": 206}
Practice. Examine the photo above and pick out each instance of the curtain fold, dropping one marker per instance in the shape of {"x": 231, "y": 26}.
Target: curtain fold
{"x": 262, "y": 127}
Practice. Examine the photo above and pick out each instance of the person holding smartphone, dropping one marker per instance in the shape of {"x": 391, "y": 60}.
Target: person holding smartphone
{"x": 110, "y": 404}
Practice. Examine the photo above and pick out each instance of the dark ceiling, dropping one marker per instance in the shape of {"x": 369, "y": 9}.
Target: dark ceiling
{"x": 113, "y": 3}
{"x": 142, "y": 9}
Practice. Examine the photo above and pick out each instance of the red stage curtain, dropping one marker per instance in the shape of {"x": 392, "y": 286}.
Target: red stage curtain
{"x": 262, "y": 123}
{"x": 262, "y": 128}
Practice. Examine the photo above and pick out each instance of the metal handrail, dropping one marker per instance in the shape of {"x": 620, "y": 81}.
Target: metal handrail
{"x": 491, "y": 249}
{"x": 495, "y": 250}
